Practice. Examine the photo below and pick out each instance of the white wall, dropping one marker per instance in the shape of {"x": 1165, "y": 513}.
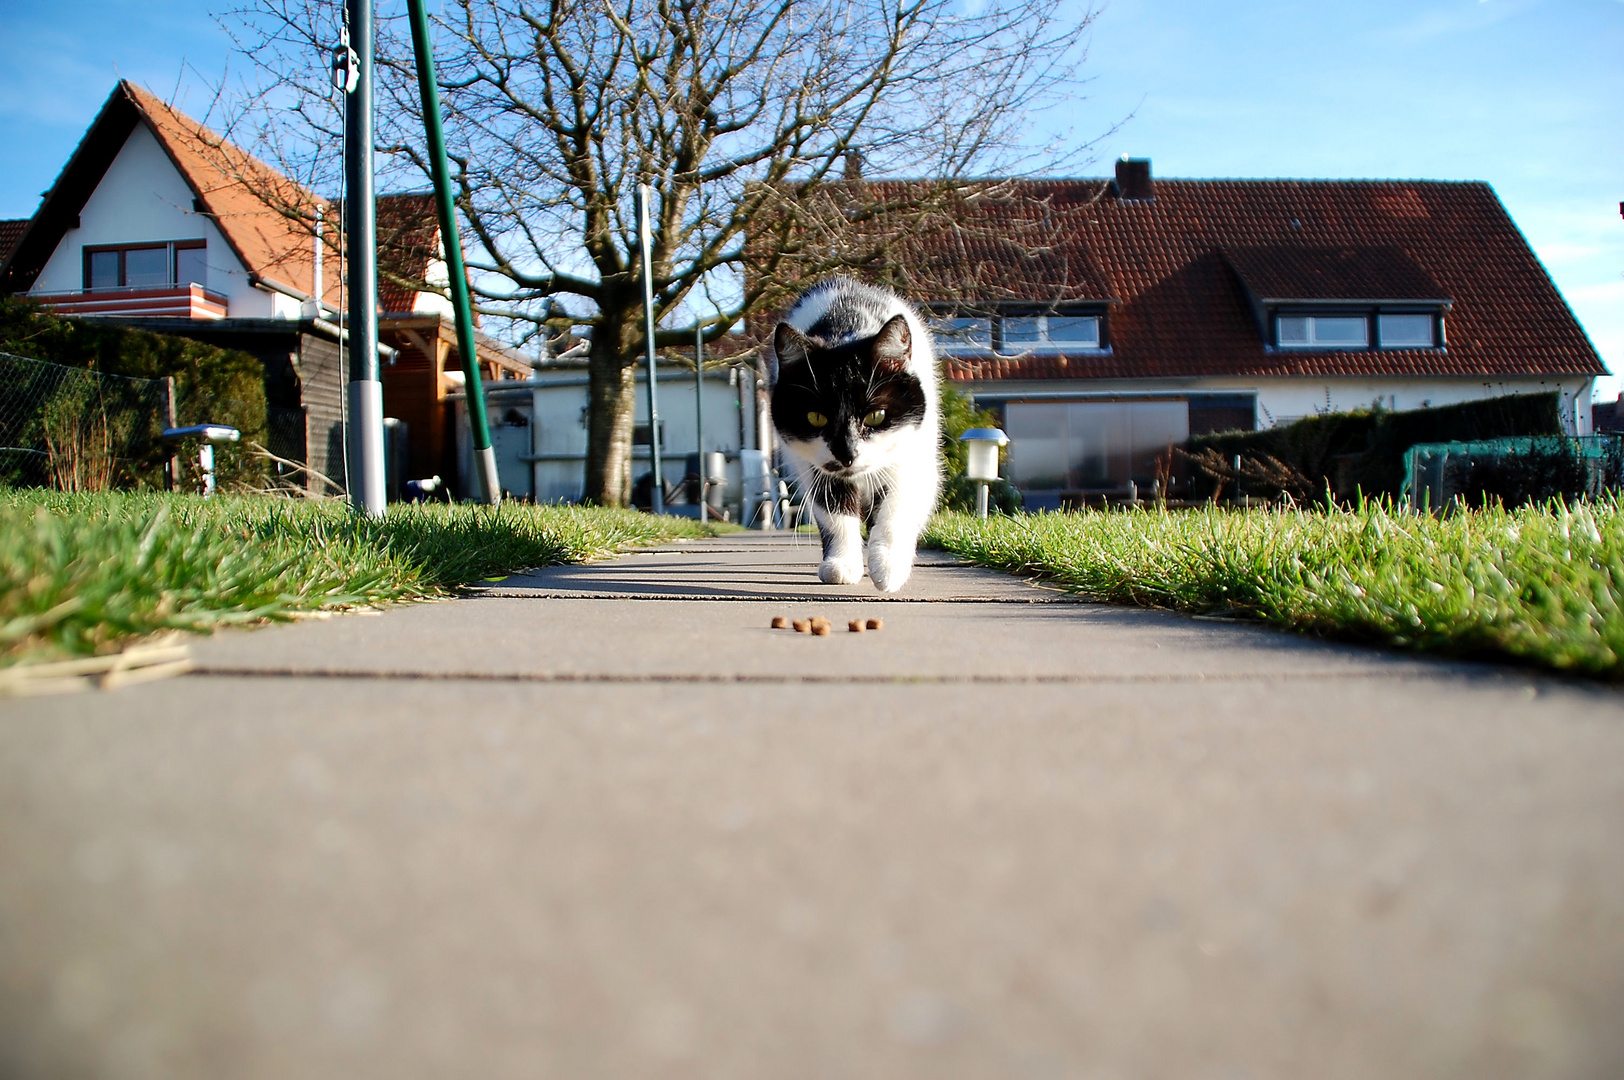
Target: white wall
{"x": 436, "y": 273}
{"x": 1282, "y": 400}
{"x": 144, "y": 199}
{"x": 562, "y": 434}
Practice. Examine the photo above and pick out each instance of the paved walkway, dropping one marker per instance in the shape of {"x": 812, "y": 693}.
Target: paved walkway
{"x": 602, "y": 822}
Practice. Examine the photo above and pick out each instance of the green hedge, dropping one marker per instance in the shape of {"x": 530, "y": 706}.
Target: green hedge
{"x": 224, "y": 386}
{"x": 1364, "y": 451}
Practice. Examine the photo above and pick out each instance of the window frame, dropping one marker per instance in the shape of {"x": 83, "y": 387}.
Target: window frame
{"x": 1433, "y": 318}
{"x": 996, "y": 345}
{"x": 171, "y": 248}
{"x": 1372, "y": 316}
{"x": 991, "y": 319}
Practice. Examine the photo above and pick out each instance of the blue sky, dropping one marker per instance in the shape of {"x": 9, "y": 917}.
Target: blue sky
{"x": 1526, "y": 94}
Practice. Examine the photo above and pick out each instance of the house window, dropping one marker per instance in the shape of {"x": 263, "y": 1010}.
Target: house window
{"x": 103, "y": 269}
{"x": 954, "y": 333}
{"x": 191, "y": 265}
{"x": 1048, "y": 333}
{"x": 1404, "y": 331}
{"x": 1017, "y": 332}
{"x": 1091, "y": 445}
{"x": 1393, "y": 329}
{"x": 147, "y": 266}
{"x": 1323, "y": 332}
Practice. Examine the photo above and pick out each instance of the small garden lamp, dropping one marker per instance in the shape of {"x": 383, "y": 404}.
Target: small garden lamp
{"x": 209, "y": 434}
{"x": 983, "y": 444}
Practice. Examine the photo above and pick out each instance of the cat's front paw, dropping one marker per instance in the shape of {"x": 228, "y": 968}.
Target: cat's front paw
{"x": 840, "y": 571}
{"x": 889, "y": 568}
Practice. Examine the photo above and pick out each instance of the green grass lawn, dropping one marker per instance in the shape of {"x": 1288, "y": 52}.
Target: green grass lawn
{"x": 85, "y": 574}
{"x": 1540, "y": 585}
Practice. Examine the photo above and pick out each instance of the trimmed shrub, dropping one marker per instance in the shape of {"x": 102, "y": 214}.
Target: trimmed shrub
{"x": 1364, "y": 451}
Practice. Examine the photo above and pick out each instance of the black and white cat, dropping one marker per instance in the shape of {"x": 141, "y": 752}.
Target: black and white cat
{"x": 856, "y": 406}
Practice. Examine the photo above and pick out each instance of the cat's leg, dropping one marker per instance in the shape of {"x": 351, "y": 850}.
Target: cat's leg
{"x": 900, "y": 513}
{"x": 842, "y": 546}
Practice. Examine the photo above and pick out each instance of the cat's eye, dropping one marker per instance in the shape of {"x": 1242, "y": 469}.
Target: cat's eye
{"x": 875, "y": 418}
{"x": 817, "y": 419}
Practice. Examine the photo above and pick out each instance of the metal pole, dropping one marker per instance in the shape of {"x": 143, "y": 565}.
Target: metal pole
{"x": 699, "y": 412}
{"x": 172, "y": 462}
{"x": 365, "y": 478}
{"x": 644, "y": 231}
{"x": 490, "y": 485}
{"x": 981, "y": 500}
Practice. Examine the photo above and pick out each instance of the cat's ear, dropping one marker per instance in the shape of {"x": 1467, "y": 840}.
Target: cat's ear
{"x": 790, "y": 346}
{"x": 893, "y": 345}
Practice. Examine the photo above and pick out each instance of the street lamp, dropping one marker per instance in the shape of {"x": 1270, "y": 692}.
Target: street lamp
{"x": 983, "y": 444}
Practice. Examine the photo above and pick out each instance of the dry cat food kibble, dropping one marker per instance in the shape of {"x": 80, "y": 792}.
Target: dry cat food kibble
{"x": 820, "y": 626}
{"x": 876, "y": 624}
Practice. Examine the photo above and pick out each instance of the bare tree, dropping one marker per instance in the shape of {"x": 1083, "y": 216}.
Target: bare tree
{"x": 744, "y": 116}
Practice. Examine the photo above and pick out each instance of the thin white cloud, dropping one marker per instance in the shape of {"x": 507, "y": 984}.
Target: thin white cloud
{"x": 1450, "y": 20}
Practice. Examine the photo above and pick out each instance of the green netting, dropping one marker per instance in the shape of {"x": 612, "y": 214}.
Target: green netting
{"x": 1514, "y": 471}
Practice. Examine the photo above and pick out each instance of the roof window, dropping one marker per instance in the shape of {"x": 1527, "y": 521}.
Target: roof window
{"x": 1051, "y": 333}
{"x": 1323, "y": 332}
{"x": 1407, "y": 330}
{"x": 1394, "y": 330}
{"x": 1015, "y": 332}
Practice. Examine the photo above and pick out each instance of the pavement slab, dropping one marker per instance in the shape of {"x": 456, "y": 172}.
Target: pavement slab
{"x": 543, "y": 832}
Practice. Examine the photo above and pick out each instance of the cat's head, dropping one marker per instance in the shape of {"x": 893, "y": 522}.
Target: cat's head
{"x": 845, "y": 408}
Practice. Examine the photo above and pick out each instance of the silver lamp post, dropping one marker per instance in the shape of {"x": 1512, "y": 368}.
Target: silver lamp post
{"x": 983, "y": 444}
{"x": 644, "y": 229}
{"x": 207, "y": 435}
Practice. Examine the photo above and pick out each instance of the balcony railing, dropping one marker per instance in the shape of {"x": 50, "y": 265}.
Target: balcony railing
{"x": 170, "y": 301}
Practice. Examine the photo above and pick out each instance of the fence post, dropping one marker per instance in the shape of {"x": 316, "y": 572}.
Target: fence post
{"x": 172, "y": 466}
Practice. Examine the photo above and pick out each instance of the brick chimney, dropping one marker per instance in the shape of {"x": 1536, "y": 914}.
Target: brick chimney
{"x": 1133, "y": 179}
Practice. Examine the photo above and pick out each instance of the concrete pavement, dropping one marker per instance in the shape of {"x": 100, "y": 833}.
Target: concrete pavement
{"x": 602, "y": 821}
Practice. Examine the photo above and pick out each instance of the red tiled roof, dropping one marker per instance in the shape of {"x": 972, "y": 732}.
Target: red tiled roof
{"x": 11, "y": 230}
{"x": 263, "y": 215}
{"x": 256, "y": 207}
{"x": 1182, "y": 309}
{"x": 1289, "y": 272}
{"x": 408, "y": 241}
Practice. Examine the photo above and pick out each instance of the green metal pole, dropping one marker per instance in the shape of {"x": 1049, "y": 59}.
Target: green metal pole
{"x": 490, "y": 487}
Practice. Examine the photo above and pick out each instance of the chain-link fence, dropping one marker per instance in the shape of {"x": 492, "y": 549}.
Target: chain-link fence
{"x": 1513, "y": 471}
{"x": 79, "y": 430}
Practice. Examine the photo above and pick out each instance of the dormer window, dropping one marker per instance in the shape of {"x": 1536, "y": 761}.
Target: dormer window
{"x": 956, "y": 333}
{"x": 1406, "y": 330}
{"x": 1048, "y": 333}
{"x": 1017, "y": 331}
{"x": 1340, "y": 299}
{"x": 1323, "y": 332}
{"x": 1394, "y": 330}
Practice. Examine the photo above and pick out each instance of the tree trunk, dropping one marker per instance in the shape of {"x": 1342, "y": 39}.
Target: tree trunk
{"x": 612, "y": 401}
